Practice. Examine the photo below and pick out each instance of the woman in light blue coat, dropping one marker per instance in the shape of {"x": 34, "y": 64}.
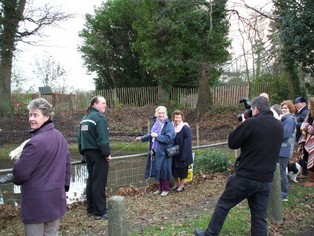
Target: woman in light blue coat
{"x": 161, "y": 137}
{"x": 289, "y": 123}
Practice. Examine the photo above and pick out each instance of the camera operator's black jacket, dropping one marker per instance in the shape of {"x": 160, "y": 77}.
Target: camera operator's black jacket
{"x": 260, "y": 139}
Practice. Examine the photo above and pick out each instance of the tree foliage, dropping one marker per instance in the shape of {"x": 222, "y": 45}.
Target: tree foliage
{"x": 164, "y": 33}
{"x": 295, "y": 24}
{"x": 108, "y": 37}
{"x": 172, "y": 43}
{"x": 175, "y": 37}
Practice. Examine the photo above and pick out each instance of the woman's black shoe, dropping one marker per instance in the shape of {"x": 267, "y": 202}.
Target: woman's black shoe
{"x": 174, "y": 188}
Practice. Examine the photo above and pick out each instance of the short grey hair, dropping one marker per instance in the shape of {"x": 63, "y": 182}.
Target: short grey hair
{"x": 261, "y": 103}
{"x": 43, "y": 105}
{"x": 277, "y": 109}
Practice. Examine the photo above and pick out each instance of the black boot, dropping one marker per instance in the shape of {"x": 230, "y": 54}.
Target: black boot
{"x": 199, "y": 232}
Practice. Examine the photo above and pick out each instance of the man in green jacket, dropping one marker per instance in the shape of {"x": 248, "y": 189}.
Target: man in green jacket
{"x": 93, "y": 144}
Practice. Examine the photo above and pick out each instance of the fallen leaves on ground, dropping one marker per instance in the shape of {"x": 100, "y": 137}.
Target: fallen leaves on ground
{"x": 143, "y": 208}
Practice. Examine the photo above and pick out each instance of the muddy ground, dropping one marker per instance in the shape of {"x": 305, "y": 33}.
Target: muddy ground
{"x": 126, "y": 123}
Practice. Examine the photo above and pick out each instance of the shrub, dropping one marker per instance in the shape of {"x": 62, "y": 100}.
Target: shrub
{"x": 20, "y": 104}
{"x": 211, "y": 161}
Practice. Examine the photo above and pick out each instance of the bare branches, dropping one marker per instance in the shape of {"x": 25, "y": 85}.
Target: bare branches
{"x": 249, "y": 31}
{"x": 259, "y": 12}
{"x": 34, "y": 20}
{"x": 16, "y": 24}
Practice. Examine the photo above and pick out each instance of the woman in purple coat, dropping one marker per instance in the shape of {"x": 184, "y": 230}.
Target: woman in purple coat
{"x": 44, "y": 173}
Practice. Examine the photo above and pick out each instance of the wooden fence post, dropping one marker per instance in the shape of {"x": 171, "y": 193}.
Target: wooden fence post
{"x": 148, "y": 126}
{"x": 197, "y": 135}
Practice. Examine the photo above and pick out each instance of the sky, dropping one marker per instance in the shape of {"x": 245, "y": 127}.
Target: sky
{"x": 240, "y": 42}
{"x": 62, "y": 43}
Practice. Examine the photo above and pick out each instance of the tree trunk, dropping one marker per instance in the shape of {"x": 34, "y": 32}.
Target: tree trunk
{"x": 12, "y": 12}
{"x": 204, "y": 94}
{"x": 115, "y": 95}
{"x": 294, "y": 81}
{"x": 258, "y": 62}
{"x": 163, "y": 96}
{"x": 5, "y": 87}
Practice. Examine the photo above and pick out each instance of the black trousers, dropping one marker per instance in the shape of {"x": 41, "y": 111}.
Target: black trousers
{"x": 97, "y": 167}
{"x": 303, "y": 163}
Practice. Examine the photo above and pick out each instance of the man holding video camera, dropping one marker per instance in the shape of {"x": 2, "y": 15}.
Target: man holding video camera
{"x": 259, "y": 138}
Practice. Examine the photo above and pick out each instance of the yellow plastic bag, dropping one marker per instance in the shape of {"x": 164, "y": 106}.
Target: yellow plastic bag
{"x": 190, "y": 173}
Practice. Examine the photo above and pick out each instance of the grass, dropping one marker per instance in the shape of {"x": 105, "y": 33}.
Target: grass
{"x": 297, "y": 218}
{"x": 5, "y": 150}
{"x": 298, "y": 210}
{"x": 237, "y": 223}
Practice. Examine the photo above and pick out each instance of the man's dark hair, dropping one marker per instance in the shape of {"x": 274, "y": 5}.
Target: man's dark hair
{"x": 261, "y": 103}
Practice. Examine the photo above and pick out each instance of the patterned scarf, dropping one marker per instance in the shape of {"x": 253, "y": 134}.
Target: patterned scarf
{"x": 157, "y": 127}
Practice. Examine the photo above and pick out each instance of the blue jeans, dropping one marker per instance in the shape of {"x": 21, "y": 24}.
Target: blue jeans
{"x": 283, "y": 162}
{"x": 238, "y": 189}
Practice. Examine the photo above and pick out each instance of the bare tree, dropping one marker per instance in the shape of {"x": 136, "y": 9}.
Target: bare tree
{"x": 51, "y": 73}
{"x": 48, "y": 70}
{"x": 252, "y": 26}
{"x": 18, "y": 80}
{"x": 18, "y": 21}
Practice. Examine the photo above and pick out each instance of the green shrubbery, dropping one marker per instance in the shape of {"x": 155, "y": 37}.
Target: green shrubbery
{"x": 211, "y": 161}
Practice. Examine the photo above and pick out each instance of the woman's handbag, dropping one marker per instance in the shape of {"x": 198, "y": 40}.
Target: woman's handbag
{"x": 173, "y": 151}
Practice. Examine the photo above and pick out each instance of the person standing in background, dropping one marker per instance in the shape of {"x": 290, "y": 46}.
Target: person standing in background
{"x": 302, "y": 110}
{"x": 259, "y": 138}
{"x": 287, "y": 145}
{"x": 185, "y": 158}
{"x": 306, "y": 143}
{"x": 159, "y": 165}
{"x": 265, "y": 95}
{"x": 44, "y": 173}
{"x": 93, "y": 144}
{"x": 276, "y": 109}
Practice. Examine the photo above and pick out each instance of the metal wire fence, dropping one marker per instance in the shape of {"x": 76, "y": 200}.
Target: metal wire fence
{"x": 124, "y": 171}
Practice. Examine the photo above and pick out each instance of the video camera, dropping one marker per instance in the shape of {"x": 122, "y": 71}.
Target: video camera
{"x": 248, "y": 112}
